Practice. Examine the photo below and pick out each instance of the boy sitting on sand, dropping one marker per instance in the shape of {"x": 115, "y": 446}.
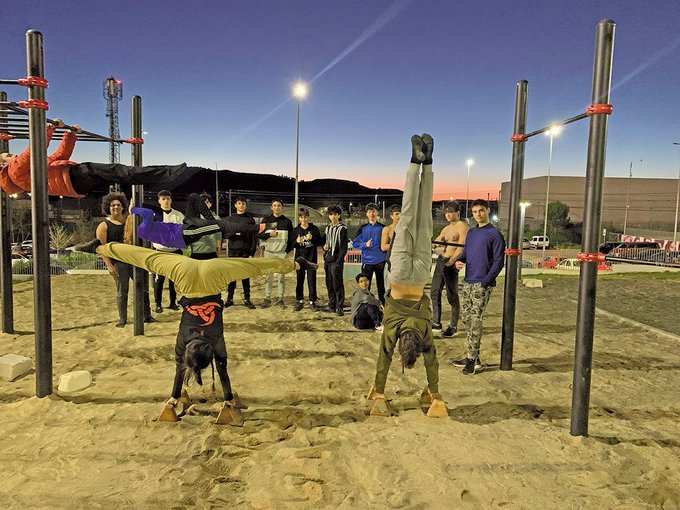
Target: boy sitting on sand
{"x": 366, "y": 308}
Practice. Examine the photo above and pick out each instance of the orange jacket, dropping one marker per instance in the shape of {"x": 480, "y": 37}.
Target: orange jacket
{"x": 15, "y": 176}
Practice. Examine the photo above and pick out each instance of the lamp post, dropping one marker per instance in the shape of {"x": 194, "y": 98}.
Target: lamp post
{"x": 551, "y": 133}
{"x": 523, "y": 211}
{"x": 677, "y": 203}
{"x": 625, "y": 214}
{"x": 299, "y": 91}
{"x": 469, "y": 163}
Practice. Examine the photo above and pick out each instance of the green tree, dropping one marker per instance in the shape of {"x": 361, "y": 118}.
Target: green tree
{"x": 558, "y": 222}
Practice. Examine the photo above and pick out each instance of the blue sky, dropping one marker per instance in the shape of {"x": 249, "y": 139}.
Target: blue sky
{"x": 215, "y": 79}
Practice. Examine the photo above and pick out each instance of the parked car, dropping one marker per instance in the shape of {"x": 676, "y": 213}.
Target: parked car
{"x": 527, "y": 264}
{"x": 607, "y": 247}
{"x": 526, "y": 245}
{"x": 539, "y": 242}
{"x": 570, "y": 263}
{"x": 550, "y": 262}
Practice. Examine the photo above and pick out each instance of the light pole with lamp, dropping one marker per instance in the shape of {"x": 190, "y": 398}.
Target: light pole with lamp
{"x": 299, "y": 91}
{"x": 523, "y": 211}
{"x": 677, "y": 204}
{"x": 551, "y": 133}
{"x": 469, "y": 163}
{"x": 625, "y": 215}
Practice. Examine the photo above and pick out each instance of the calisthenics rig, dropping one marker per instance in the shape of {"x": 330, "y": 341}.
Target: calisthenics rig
{"x": 26, "y": 119}
{"x": 598, "y": 112}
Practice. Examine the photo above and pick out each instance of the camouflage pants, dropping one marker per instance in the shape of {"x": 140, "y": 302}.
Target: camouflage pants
{"x": 472, "y": 306}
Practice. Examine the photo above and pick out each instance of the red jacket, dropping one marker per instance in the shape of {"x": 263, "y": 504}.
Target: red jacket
{"x": 15, "y": 176}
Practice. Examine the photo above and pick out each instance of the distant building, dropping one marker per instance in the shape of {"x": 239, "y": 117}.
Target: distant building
{"x": 651, "y": 202}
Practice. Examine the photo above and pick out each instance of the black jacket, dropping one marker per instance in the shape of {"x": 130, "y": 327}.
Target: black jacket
{"x": 242, "y": 245}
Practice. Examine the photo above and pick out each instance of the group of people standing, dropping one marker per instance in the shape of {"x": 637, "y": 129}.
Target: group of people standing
{"x": 400, "y": 257}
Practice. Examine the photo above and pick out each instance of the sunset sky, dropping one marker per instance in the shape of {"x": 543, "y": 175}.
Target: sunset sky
{"x": 215, "y": 79}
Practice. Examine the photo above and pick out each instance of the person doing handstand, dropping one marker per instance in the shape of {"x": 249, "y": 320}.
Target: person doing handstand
{"x": 408, "y": 312}
{"x": 201, "y": 332}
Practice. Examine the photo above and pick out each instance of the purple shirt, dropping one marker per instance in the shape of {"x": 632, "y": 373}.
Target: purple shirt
{"x": 483, "y": 255}
{"x": 167, "y": 234}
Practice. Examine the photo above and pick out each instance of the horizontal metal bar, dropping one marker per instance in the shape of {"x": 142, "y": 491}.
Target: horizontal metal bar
{"x": 557, "y": 124}
{"x": 9, "y": 82}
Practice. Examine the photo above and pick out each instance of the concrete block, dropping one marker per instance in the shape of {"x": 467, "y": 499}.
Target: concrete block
{"x": 13, "y": 366}
{"x": 75, "y": 381}
{"x": 534, "y": 283}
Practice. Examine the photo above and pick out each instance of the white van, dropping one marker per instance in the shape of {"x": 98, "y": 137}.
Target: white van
{"x": 539, "y": 242}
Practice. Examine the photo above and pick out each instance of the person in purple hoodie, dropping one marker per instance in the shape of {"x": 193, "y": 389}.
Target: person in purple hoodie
{"x": 483, "y": 260}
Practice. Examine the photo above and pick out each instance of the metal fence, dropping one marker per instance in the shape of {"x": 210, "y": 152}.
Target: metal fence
{"x": 61, "y": 265}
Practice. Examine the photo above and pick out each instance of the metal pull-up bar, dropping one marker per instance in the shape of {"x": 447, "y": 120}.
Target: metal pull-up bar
{"x": 17, "y": 126}
{"x": 598, "y": 112}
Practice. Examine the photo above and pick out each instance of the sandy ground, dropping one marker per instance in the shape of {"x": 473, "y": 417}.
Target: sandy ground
{"x": 307, "y": 441}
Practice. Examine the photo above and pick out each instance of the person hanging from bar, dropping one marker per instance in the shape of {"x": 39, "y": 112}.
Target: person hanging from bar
{"x": 193, "y": 227}
{"x": 201, "y": 331}
{"x": 70, "y": 179}
{"x": 408, "y": 312}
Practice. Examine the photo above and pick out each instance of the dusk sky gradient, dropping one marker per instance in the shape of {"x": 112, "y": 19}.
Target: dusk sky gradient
{"x": 215, "y": 79}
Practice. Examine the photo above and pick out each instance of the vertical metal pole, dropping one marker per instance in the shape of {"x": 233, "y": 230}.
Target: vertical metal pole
{"x": 547, "y": 197}
{"x": 229, "y": 202}
{"x": 592, "y": 208}
{"x": 138, "y": 193}
{"x": 42, "y": 294}
{"x": 297, "y": 161}
{"x": 523, "y": 212}
{"x": 6, "y": 249}
{"x": 677, "y": 207}
{"x": 514, "y": 235}
{"x": 467, "y": 196}
{"x": 217, "y": 193}
{"x": 625, "y": 214}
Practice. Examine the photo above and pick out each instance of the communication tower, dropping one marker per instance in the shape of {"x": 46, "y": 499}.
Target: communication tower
{"x": 113, "y": 92}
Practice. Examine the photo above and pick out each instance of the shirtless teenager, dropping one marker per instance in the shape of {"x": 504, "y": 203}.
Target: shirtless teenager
{"x": 445, "y": 272}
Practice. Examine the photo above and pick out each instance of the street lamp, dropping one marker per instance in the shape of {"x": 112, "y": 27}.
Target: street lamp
{"x": 523, "y": 211}
{"x": 299, "y": 91}
{"x": 469, "y": 163}
{"x": 625, "y": 214}
{"x": 677, "y": 203}
{"x": 552, "y": 132}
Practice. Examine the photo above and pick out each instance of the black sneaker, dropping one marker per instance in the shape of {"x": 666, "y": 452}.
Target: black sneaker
{"x": 328, "y": 309}
{"x": 248, "y": 304}
{"x": 298, "y": 306}
{"x": 173, "y": 306}
{"x": 313, "y": 306}
{"x": 90, "y": 247}
{"x": 159, "y": 309}
{"x": 428, "y": 148}
{"x": 417, "y": 145}
{"x": 281, "y": 304}
{"x": 463, "y": 362}
{"x": 306, "y": 264}
{"x": 469, "y": 367}
{"x": 150, "y": 319}
{"x": 339, "y": 312}
{"x": 228, "y": 303}
{"x": 121, "y": 324}
{"x": 436, "y": 326}
{"x": 449, "y": 331}
{"x": 266, "y": 303}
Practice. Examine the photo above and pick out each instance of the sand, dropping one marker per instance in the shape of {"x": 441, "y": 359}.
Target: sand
{"x": 307, "y": 441}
